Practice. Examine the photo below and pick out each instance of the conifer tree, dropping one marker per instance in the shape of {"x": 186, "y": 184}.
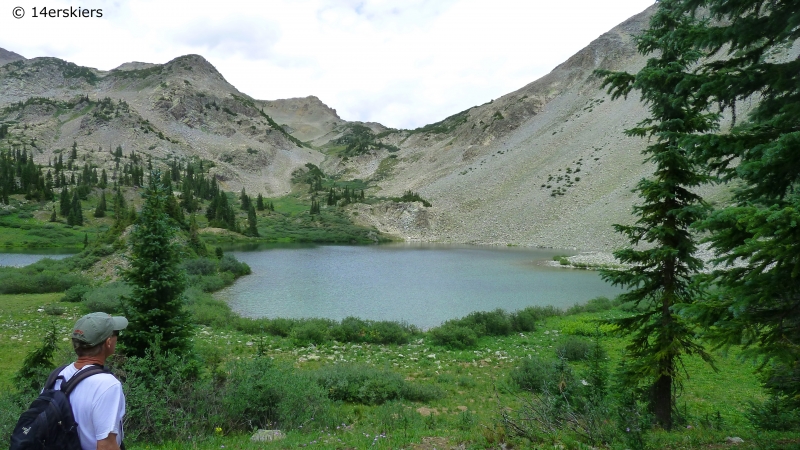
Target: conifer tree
{"x": 188, "y": 201}
{"x": 244, "y": 200}
{"x": 155, "y": 310}
{"x": 260, "y": 202}
{"x": 659, "y": 277}
{"x": 252, "y": 229}
{"x": 194, "y": 238}
{"x": 100, "y": 211}
{"x": 120, "y": 210}
{"x": 64, "y": 203}
{"x": 75, "y": 216}
{"x": 756, "y": 302}
{"x": 174, "y": 210}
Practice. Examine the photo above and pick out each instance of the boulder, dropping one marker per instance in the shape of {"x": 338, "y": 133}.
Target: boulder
{"x": 267, "y": 436}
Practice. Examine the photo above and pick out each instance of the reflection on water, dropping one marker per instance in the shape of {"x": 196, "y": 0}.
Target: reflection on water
{"x": 420, "y": 284}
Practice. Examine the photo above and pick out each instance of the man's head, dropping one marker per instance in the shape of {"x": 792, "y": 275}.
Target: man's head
{"x": 93, "y": 330}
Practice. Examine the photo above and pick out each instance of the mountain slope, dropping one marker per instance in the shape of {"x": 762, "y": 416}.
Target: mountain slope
{"x": 547, "y": 165}
{"x": 181, "y": 109}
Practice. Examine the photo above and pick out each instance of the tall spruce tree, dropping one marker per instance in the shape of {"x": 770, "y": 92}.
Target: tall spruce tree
{"x": 64, "y": 202}
{"x": 252, "y": 229}
{"x": 194, "y": 238}
{"x": 75, "y": 216}
{"x": 661, "y": 256}
{"x": 155, "y": 309}
{"x": 100, "y": 211}
{"x": 244, "y": 200}
{"x": 757, "y": 300}
{"x": 260, "y": 202}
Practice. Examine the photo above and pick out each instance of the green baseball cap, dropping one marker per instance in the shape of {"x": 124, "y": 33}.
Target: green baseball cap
{"x": 94, "y": 328}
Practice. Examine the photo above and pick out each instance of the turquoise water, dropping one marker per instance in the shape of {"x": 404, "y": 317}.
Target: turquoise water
{"x": 421, "y": 284}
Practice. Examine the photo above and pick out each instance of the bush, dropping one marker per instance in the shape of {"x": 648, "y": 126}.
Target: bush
{"x": 352, "y": 329}
{"x": 53, "y": 309}
{"x": 489, "y": 323}
{"x": 775, "y": 414}
{"x": 76, "y": 293}
{"x": 229, "y": 263}
{"x": 386, "y": 332}
{"x": 574, "y": 349}
{"x": 200, "y": 266}
{"x": 107, "y": 298}
{"x": 311, "y": 331}
{"x": 12, "y": 405}
{"x": 28, "y": 280}
{"x": 260, "y": 394}
{"x": 534, "y": 374}
{"x": 206, "y": 310}
{"x": 421, "y": 392}
{"x": 523, "y": 321}
{"x": 360, "y": 384}
{"x": 454, "y": 336}
{"x": 211, "y": 283}
{"x": 165, "y": 400}
{"x": 596, "y": 304}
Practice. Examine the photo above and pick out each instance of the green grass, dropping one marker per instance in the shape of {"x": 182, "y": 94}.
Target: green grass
{"x": 476, "y": 382}
{"x": 27, "y": 225}
{"x": 22, "y": 327}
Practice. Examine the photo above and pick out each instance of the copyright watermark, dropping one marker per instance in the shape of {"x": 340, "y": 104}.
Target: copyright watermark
{"x": 62, "y": 13}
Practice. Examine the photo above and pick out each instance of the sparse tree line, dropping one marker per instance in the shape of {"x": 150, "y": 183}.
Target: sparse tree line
{"x": 70, "y": 183}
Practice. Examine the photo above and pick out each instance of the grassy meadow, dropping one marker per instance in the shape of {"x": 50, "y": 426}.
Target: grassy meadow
{"x": 457, "y": 396}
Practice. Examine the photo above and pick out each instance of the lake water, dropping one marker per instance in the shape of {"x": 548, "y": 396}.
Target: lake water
{"x": 421, "y": 284}
{"x": 31, "y": 256}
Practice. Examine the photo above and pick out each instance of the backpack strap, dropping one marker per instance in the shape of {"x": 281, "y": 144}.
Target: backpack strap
{"x": 51, "y": 380}
{"x": 70, "y": 385}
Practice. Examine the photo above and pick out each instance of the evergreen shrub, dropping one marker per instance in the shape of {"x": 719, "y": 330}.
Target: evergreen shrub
{"x": 775, "y": 414}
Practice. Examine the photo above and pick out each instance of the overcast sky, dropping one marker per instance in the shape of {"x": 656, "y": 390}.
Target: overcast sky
{"x": 403, "y": 63}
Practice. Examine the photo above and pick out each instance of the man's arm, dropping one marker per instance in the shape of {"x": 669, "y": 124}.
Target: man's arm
{"x": 109, "y": 443}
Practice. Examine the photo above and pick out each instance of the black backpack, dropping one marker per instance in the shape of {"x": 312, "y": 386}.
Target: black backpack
{"x": 49, "y": 423}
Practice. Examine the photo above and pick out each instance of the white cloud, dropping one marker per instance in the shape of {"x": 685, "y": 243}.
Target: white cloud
{"x": 401, "y": 63}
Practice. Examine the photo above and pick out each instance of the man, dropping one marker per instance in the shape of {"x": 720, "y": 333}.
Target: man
{"x": 98, "y": 403}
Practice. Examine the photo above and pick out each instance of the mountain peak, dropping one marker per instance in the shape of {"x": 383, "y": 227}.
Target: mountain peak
{"x": 8, "y": 56}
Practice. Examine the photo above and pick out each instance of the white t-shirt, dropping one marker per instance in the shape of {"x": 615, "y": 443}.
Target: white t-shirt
{"x": 98, "y": 405}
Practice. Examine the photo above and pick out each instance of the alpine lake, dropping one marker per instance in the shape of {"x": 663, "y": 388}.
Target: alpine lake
{"x": 420, "y": 284}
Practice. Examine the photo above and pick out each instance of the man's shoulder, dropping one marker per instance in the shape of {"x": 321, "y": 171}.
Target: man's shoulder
{"x": 99, "y": 380}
